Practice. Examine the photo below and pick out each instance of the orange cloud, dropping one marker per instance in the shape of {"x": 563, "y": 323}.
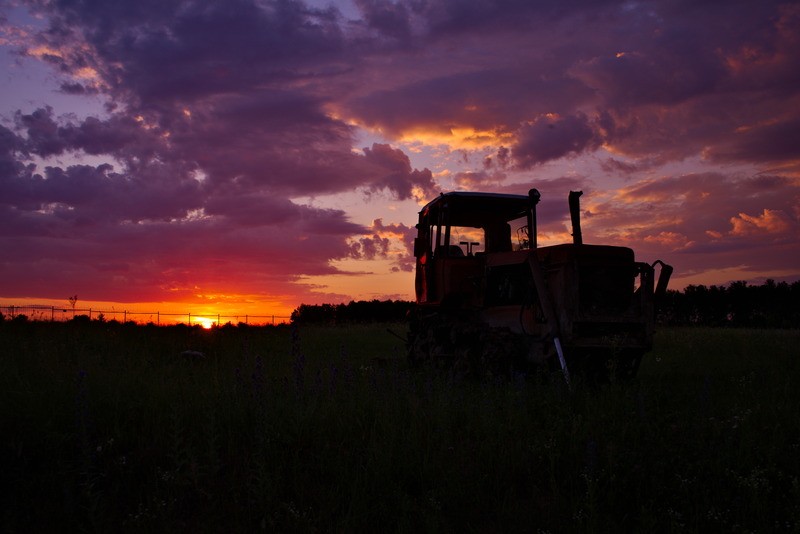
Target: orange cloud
{"x": 769, "y": 222}
{"x": 456, "y": 137}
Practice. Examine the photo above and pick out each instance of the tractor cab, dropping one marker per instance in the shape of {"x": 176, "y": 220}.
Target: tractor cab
{"x": 456, "y": 232}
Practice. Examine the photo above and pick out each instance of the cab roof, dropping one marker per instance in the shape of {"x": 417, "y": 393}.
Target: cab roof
{"x": 474, "y": 209}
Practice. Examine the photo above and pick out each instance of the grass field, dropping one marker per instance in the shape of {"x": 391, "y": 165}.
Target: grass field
{"x": 108, "y": 428}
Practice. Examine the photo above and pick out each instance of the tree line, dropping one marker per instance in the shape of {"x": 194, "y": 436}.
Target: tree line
{"x": 771, "y": 305}
{"x": 362, "y": 311}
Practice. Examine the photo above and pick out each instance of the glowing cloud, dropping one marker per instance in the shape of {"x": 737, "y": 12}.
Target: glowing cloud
{"x": 768, "y": 222}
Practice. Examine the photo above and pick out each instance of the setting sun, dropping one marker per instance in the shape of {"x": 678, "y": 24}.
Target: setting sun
{"x": 205, "y": 322}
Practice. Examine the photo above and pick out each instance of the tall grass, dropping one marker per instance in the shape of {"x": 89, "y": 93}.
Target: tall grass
{"x": 324, "y": 429}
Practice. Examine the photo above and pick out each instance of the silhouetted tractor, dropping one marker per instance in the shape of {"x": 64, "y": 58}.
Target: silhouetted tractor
{"x": 490, "y": 301}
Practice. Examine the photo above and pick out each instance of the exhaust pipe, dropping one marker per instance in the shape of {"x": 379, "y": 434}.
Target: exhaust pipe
{"x": 575, "y": 215}
{"x": 533, "y": 197}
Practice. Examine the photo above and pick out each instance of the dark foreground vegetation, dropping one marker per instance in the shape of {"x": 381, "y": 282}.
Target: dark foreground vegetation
{"x": 109, "y": 427}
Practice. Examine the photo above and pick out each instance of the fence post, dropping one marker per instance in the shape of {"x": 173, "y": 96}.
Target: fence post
{"x": 124, "y": 316}
{"x": 52, "y": 313}
{"x": 158, "y": 318}
{"x": 90, "y": 314}
{"x": 190, "y": 318}
{"x": 273, "y": 320}
{"x": 217, "y": 319}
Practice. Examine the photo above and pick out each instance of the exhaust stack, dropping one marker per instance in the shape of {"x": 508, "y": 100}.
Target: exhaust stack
{"x": 575, "y": 215}
{"x": 533, "y": 197}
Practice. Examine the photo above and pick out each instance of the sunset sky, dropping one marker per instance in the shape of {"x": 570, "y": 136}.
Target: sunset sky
{"x": 252, "y": 155}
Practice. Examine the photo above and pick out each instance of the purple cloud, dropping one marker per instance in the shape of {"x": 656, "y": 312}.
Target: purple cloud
{"x": 552, "y": 138}
{"x": 393, "y": 171}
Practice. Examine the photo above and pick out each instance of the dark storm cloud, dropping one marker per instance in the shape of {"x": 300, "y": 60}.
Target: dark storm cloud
{"x": 388, "y": 18}
{"x": 138, "y": 186}
{"x": 119, "y": 136}
{"x": 10, "y": 147}
{"x": 615, "y": 166}
{"x": 84, "y": 194}
{"x": 667, "y": 69}
{"x": 636, "y": 56}
{"x": 776, "y": 141}
{"x": 686, "y": 83}
{"x": 553, "y": 138}
{"x": 156, "y": 52}
{"x": 653, "y": 77}
{"x": 283, "y": 140}
{"x": 483, "y": 99}
{"x": 393, "y": 171}
{"x": 456, "y": 17}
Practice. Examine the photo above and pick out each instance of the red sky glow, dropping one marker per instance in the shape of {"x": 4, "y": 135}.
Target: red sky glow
{"x": 246, "y": 156}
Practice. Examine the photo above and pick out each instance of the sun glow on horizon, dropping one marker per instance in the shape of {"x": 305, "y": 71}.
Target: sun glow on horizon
{"x": 206, "y": 322}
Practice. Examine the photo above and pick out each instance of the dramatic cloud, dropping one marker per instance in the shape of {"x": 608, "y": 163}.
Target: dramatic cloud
{"x": 220, "y": 141}
{"x": 553, "y": 137}
{"x": 393, "y": 171}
